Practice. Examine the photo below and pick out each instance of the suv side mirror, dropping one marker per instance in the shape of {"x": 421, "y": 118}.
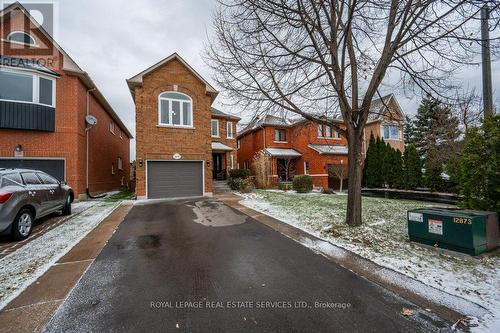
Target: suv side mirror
{"x": 62, "y": 183}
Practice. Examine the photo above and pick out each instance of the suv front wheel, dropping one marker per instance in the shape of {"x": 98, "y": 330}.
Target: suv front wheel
{"x": 23, "y": 223}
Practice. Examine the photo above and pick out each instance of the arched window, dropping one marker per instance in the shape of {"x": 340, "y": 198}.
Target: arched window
{"x": 175, "y": 109}
{"x": 21, "y": 37}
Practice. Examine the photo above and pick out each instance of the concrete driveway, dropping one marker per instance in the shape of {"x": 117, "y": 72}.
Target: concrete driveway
{"x": 200, "y": 266}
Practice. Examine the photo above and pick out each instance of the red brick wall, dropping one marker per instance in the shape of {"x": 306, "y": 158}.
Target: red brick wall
{"x": 227, "y": 141}
{"x": 161, "y": 143}
{"x": 306, "y": 133}
{"x": 68, "y": 141}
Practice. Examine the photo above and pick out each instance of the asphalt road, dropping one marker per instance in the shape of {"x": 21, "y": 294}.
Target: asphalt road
{"x": 200, "y": 266}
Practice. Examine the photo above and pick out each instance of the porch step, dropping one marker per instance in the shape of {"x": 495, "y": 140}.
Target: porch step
{"x": 220, "y": 186}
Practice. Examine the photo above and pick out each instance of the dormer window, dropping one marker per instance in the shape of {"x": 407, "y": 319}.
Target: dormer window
{"x": 21, "y": 37}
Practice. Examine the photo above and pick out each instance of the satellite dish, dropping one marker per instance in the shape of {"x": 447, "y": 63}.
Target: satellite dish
{"x": 91, "y": 120}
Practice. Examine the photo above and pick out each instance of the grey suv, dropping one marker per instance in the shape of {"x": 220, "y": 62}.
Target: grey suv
{"x": 26, "y": 195}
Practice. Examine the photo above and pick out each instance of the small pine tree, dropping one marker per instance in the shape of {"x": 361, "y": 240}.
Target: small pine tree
{"x": 409, "y": 133}
{"x": 412, "y": 168}
{"x": 398, "y": 180}
{"x": 479, "y": 179}
{"x": 381, "y": 162}
{"x": 371, "y": 164}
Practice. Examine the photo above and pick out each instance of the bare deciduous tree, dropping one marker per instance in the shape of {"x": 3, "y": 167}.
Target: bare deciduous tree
{"x": 323, "y": 58}
{"x": 340, "y": 171}
{"x": 468, "y": 109}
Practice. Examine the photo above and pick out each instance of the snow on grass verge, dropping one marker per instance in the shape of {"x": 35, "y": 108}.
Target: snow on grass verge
{"x": 383, "y": 239}
{"x": 22, "y": 267}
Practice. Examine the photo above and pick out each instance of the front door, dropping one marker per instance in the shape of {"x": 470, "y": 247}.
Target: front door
{"x": 285, "y": 168}
{"x": 219, "y": 171}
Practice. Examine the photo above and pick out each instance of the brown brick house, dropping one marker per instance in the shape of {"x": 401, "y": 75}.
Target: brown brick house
{"x": 44, "y": 100}
{"x": 303, "y": 147}
{"x": 182, "y": 142}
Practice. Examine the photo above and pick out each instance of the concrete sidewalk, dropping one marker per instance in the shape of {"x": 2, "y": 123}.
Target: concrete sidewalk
{"x": 35, "y": 306}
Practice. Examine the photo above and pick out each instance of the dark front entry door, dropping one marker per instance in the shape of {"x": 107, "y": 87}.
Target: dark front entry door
{"x": 219, "y": 171}
{"x": 285, "y": 168}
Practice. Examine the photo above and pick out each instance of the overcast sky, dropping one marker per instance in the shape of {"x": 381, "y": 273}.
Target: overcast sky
{"x": 115, "y": 39}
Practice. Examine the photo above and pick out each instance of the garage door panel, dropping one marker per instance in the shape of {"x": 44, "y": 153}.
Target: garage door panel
{"x": 54, "y": 167}
{"x": 168, "y": 179}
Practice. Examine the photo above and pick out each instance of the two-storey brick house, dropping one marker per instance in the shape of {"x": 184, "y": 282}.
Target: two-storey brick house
{"x": 182, "y": 143}
{"x": 303, "y": 147}
{"x": 45, "y": 98}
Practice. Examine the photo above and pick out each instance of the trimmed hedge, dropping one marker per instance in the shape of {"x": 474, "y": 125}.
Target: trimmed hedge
{"x": 303, "y": 184}
{"x": 239, "y": 173}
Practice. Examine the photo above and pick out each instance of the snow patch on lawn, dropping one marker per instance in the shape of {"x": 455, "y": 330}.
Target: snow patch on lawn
{"x": 22, "y": 267}
{"x": 383, "y": 239}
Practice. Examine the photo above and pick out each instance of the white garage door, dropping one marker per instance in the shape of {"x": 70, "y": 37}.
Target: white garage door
{"x": 174, "y": 179}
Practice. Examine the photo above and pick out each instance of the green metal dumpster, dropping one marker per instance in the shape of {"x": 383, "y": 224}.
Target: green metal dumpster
{"x": 466, "y": 231}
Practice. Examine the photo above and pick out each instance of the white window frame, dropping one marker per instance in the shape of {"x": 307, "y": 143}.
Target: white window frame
{"x": 238, "y": 144}
{"x": 336, "y": 134}
{"x": 6, "y": 39}
{"x": 120, "y": 163}
{"x": 121, "y": 134}
{"x": 181, "y": 115}
{"x": 277, "y": 138}
{"x": 229, "y": 130}
{"x": 232, "y": 161}
{"x": 305, "y": 167}
{"x": 328, "y": 132}
{"x": 216, "y": 127}
{"x": 318, "y": 129}
{"x": 35, "y": 88}
{"x": 112, "y": 127}
{"x": 112, "y": 168}
{"x": 390, "y": 138}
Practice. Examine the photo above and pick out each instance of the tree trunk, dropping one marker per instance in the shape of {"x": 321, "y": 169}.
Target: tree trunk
{"x": 353, "y": 217}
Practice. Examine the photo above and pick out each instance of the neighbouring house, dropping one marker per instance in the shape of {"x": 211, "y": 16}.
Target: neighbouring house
{"x": 182, "y": 143}
{"x": 302, "y": 147}
{"x": 45, "y": 101}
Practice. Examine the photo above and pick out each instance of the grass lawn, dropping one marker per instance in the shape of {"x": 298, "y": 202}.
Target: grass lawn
{"x": 123, "y": 195}
{"x": 383, "y": 238}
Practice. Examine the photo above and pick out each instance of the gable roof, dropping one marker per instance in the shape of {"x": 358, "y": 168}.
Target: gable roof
{"x": 378, "y": 108}
{"x": 70, "y": 66}
{"x": 220, "y": 114}
{"x": 267, "y": 120}
{"x": 136, "y": 80}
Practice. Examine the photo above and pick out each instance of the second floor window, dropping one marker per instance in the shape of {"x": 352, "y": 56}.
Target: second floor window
{"x": 27, "y": 87}
{"x": 320, "y": 131}
{"x": 215, "y": 128}
{"x": 306, "y": 167}
{"x": 390, "y": 132}
{"x": 175, "y": 109}
{"x": 238, "y": 144}
{"x": 280, "y": 135}
{"x": 230, "y": 133}
{"x": 120, "y": 163}
{"x": 112, "y": 127}
{"x": 328, "y": 131}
